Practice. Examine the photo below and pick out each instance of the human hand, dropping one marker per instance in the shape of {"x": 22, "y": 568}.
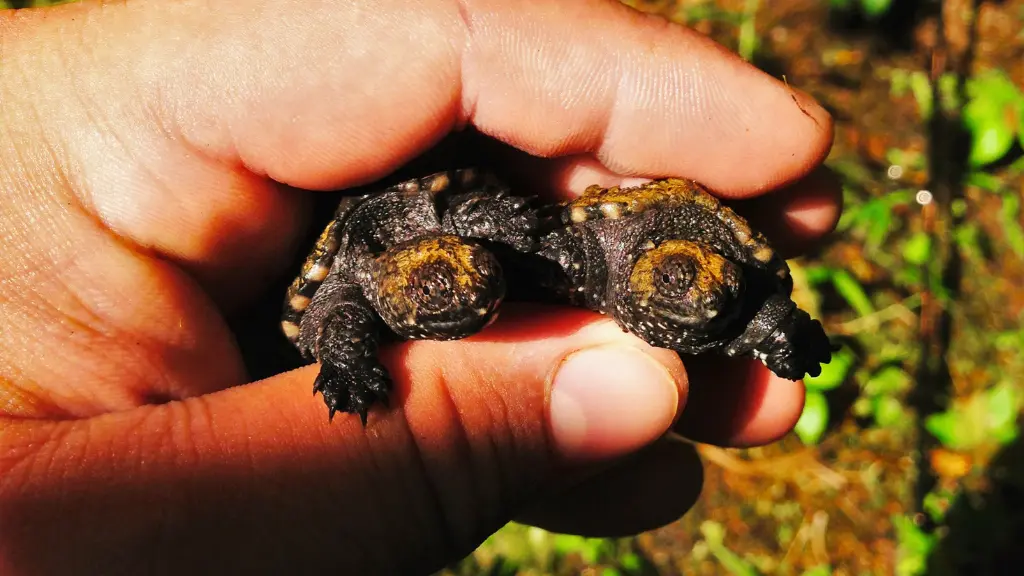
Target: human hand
{"x": 150, "y": 152}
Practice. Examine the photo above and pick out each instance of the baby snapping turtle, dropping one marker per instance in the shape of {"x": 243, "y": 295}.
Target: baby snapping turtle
{"x": 401, "y": 263}
{"x": 675, "y": 267}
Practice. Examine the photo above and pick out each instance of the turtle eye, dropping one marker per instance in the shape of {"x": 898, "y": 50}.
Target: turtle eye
{"x": 434, "y": 289}
{"x": 673, "y": 276}
{"x": 440, "y": 291}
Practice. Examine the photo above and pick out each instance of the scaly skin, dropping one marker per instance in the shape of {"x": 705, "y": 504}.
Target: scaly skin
{"x": 672, "y": 265}
{"x": 408, "y": 262}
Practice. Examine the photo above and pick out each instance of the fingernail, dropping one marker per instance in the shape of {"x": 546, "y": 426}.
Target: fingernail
{"x": 609, "y": 401}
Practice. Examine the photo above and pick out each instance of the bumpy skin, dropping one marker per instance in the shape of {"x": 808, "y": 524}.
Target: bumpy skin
{"x": 672, "y": 265}
{"x": 408, "y": 262}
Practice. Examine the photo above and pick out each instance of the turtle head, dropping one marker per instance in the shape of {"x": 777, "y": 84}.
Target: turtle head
{"x": 437, "y": 287}
{"x": 680, "y": 287}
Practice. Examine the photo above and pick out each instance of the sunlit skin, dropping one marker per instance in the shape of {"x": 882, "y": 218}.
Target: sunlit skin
{"x": 150, "y": 152}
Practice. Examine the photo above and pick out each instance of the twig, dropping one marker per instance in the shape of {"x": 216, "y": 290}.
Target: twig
{"x": 780, "y": 468}
{"x": 900, "y": 310}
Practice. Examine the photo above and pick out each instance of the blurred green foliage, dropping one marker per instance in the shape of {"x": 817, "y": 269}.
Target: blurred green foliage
{"x": 914, "y": 545}
{"x": 5, "y": 4}
{"x": 987, "y": 417}
{"x": 870, "y": 8}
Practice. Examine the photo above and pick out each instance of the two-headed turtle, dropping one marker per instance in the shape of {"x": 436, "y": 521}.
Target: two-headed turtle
{"x": 666, "y": 260}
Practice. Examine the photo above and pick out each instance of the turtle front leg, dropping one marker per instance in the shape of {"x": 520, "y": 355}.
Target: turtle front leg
{"x": 351, "y": 376}
{"x": 342, "y": 331}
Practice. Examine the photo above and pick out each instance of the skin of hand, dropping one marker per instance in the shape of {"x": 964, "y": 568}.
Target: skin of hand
{"x": 151, "y": 155}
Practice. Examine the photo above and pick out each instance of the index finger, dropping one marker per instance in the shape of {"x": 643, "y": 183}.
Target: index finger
{"x": 204, "y": 100}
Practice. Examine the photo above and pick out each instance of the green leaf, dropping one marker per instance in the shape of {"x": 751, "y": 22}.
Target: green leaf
{"x": 1004, "y": 406}
{"x": 992, "y": 116}
{"x": 631, "y": 562}
{"x": 875, "y": 8}
{"x": 879, "y": 226}
{"x": 991, "y": 136}
{"x": 851, "y": 291}
{"x": 985, "y": 181}
{"x": 937, "y": 504}
{"x": 1009, "y": 216}
{"x": 889, "y": 412}
{"x": 820, "y": 570}
{"x": 913, "y": 547}
{"x": 832, "y": 374}
{"x": 714, "y": 535}
{"x": 713, "y": 532}
{"x": 968, "y": 238}
{"x": 748, "y": 39}
{"x": 921, "y": 87}
{"x": 918, "y": 249}
{"x": 949, "y": 91}
{"x": 899, "y": 82}
{"x": 985, "y": 417}
{"x": 994, "y": 84}
{"x": 813, "y": 420}
{"x": 947, "y": 427}
{"x": 818, "y": 274}
{"x": 889, "y": 380}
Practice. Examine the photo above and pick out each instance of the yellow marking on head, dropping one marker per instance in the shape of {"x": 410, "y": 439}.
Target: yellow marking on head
{"x": 290, "y": 329}
{"x": 401, "y": 266}
{"x": 711, "y": 267}
{"x": 298, "y": 303}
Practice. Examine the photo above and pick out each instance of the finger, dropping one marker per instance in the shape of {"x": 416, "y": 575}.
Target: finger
{"x": 645, "y": 491}
{"x": 796, "y": 217}
{"x": 254, "y": 477}
{"x": 87, "y": 326}
{"x": 219, "y": 110}
{"x": 738, "y": 402}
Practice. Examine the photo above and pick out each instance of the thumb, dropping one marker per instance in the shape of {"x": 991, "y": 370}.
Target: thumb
{"x": 255, "y": 478}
